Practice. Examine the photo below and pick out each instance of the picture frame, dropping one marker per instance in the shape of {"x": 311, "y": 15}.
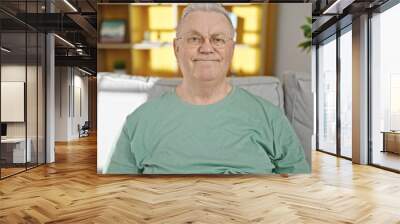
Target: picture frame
{"x": 113, "y": 31}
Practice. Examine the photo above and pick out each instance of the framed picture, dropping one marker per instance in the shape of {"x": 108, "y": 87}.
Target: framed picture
{"x": 113, "y": 31}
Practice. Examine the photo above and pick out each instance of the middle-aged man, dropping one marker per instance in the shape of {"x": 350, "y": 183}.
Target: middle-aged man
{"x": 206, "y": 125}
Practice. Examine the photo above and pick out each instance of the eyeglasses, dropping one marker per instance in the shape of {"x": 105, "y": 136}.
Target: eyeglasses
{"x": 217, "y": 41}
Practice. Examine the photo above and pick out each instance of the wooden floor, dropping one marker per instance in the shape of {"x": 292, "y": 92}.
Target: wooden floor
{"x": 387, "y": 159}
{"x": 70, "y": 191}
{"x": 10, "y": 171}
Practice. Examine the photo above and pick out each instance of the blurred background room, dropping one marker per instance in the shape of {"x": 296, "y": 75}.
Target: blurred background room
{"x": 137, "y": 39}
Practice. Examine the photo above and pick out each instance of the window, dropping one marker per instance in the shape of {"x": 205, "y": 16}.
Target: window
{"x": 385, "y": 87}
{"x": 346, "y": 93}
{"x": 394, "y": 117}
{"x": 327, "y": 96}
{"x": 333, "y": 137}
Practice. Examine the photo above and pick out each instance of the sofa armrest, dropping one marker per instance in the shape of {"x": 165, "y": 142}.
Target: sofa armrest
{"x": 299, "y": 107}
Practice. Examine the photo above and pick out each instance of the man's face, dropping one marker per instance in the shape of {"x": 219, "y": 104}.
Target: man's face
{"x": 197, "y": 50}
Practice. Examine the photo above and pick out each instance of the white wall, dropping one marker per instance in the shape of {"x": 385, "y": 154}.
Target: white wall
{"x": 61, "y": 103}
{"x": 17, "y": 73}
{"x": 288, "y": 57}
{"x": 69, "y": 82}
{"x": 80, "y": 83}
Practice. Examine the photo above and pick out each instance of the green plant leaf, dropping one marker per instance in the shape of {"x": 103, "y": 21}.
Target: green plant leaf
{"x": 309, "y": 20}
{"x": 307, "y": 32}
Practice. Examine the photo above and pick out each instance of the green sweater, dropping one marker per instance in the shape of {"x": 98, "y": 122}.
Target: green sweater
{"x": 242, "y": 133}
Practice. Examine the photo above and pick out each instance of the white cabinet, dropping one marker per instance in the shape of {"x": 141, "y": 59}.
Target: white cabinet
{"x": 18, "y": 149}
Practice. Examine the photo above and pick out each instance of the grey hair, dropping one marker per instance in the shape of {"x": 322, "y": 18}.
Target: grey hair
{"x": 208, "y": 7}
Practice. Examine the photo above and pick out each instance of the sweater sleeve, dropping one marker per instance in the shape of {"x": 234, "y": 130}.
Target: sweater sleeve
{"x": 122, "y": 158}
{"x": 288, "y": 154}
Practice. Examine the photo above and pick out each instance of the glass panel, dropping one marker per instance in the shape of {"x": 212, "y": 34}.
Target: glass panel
{"x": 327, "y": 97}
{"x": 346, "y": 94}
{"x": 31, "y": 100}
{"x": 32, "y": 87}
{"x": 22, "y": 89}
{"x": 41, "y": 98}
{"x": 13, "y": 87}
{"x": 386, "y": 89}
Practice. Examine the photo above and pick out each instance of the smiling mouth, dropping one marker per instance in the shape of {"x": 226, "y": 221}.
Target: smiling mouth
{"x": 205, "y": 60}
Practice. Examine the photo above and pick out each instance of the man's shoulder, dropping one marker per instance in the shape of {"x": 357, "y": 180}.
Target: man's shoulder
{"x": 150, "y": 107}
{"x": 257, "y": 100}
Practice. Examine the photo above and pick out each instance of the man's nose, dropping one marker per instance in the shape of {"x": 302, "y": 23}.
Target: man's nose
{"x": 206, "y": 47}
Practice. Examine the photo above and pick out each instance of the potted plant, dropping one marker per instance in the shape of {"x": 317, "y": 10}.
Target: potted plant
{"x": 119, "y": 67}
{"x": 307, "y": 31}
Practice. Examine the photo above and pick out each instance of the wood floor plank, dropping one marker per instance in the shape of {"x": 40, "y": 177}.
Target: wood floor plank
{"x": 70, "y": 191}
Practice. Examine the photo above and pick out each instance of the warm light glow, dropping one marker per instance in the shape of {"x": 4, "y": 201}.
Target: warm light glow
{"x": 161, "y": 28}
{"x": 251, "y": 15}
{"x": 161, "y": 18}
{"x": 245, "y": 61}
{"x": 163, "y": 59}
{"x": 251, "y": 38}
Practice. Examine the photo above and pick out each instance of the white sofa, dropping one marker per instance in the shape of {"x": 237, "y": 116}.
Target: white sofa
{"x": 119, "y": 95}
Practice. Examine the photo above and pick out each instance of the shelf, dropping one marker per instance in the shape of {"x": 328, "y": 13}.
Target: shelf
{"x": 151, "y": 45}
{"x": 114, "y": 45}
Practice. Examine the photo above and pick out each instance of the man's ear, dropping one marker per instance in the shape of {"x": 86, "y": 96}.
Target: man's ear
{"x": 176, "y": 48}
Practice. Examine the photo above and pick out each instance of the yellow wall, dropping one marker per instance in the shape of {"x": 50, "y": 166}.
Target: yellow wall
{"x": 158, "y": 22}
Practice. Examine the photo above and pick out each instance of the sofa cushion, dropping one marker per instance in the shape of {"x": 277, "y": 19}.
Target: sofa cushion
{"x": 267, "y": 87}
{"x": 299, "y": 107}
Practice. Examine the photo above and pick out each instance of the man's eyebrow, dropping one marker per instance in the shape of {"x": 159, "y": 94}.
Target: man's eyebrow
{"x": 219, "y": 33}
{"x": 198, "y": 33}
{"x": 193, "y": 32}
